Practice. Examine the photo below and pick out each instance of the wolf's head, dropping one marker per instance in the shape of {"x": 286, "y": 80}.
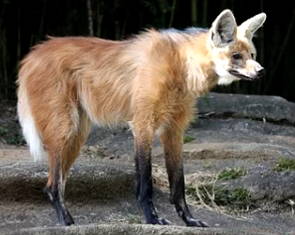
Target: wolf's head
{"x": 232, "y": 50}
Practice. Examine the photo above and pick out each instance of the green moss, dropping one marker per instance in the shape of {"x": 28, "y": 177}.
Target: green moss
{"x": 15, "y": 140}
{"x": 11, "y": 137}
{"x": 231, "y": 173}
{"x": 285, "y": 164}
{"x": 3, "y": 131}
{"x": 187, "y": 139}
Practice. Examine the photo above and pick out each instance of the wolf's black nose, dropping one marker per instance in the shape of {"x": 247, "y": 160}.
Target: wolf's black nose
{"x": 261, "y": 73}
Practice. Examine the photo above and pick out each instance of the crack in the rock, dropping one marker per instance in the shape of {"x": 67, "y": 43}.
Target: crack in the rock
{"x": 225, "y": 115}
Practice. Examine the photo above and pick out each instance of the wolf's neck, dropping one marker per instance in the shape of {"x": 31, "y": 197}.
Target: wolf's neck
{"x": 201, "y": 76}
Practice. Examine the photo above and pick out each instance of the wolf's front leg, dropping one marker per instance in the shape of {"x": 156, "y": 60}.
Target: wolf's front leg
{"x": 144, "y": 190}
{"x": 172, "y": 140}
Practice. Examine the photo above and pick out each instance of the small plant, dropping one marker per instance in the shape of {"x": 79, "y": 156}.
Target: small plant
{"x": 11, "y": 137}
{"x": 187, "y": 139}
{"x": 15, "y": 139}
{"x": 133, "y": 219}
{"x": 215, "y": 196}
{"x": 208, "y": 164}
{"x": 238, "y": 197}
{"x": 285, "y": 164}
{"x": 3, "y": 131}
{"x": 231, "y": 173}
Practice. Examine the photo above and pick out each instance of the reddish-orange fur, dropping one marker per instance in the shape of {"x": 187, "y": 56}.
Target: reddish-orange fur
{"x": 140, "y": 80}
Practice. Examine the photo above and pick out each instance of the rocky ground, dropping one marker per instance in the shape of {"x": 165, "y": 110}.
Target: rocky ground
{"x": 239, "y": 169}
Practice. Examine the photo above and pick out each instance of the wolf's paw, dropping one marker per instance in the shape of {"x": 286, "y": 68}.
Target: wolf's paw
{"x": 160, "y": 221}
{"x": 67, "y": 219}
{"x": 163, "y": 221}
{"x": 196, "y": 223}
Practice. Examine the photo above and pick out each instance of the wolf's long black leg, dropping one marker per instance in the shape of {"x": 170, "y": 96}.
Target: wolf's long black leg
{"x": 54, "y": 190}
{"x": 144, "y": 192}
{"x": 172, "y": 141}
{"x": 177, "y": 197}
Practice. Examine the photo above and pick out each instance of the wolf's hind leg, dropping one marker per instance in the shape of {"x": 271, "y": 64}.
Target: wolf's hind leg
{"x": 60, "y": 161}
{"x": 55, "y": 191}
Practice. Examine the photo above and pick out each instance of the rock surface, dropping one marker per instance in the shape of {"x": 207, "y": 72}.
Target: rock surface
{"x": 114, "y": 229}
{"x": 253, "y": 133}
{"x": 272, "y": 108}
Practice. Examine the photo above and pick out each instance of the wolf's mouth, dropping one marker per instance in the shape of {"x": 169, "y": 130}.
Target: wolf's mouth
{"x": 242, "y": 76}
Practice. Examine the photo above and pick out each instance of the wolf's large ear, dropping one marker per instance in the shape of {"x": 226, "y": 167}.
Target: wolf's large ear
{"x": 250, "y": 26}
{"x": 223, "y": 29}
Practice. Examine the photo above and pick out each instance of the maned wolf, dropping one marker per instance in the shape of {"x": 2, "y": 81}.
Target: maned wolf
{"x": 150, "y": 81}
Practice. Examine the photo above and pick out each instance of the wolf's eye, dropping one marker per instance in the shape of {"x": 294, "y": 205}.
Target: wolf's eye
{"x": 237, "y": 56}
{"x": 252, "y": 55}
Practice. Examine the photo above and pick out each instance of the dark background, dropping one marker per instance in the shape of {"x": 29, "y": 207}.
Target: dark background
{"x": 24, "y": 23}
